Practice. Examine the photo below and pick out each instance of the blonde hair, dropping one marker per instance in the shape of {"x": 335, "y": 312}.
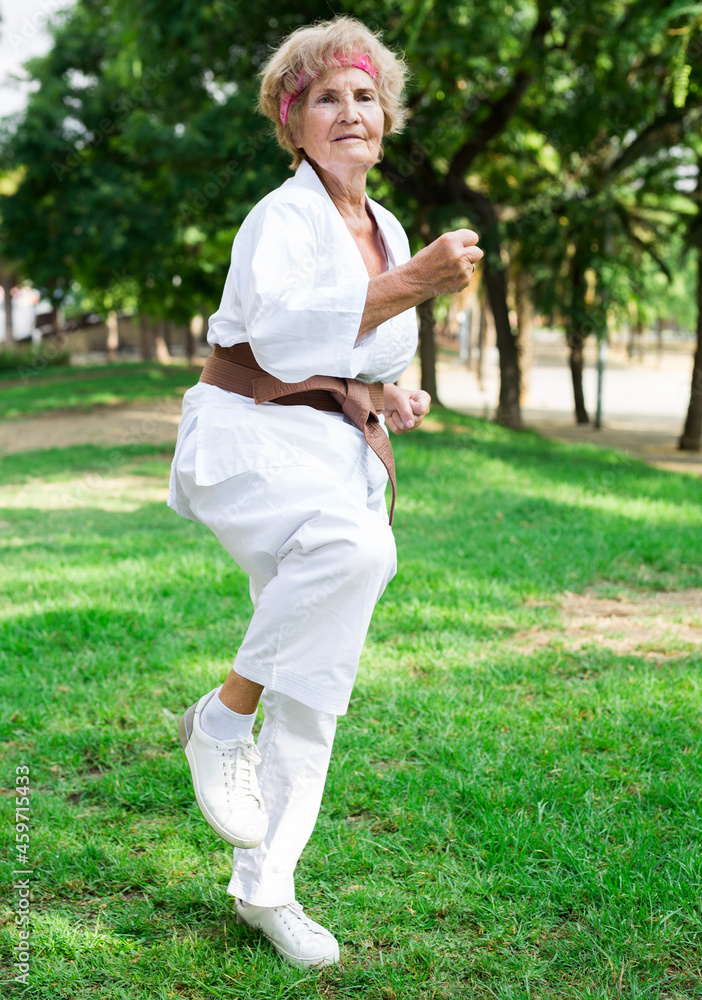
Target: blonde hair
{"x": 313, "y": 50}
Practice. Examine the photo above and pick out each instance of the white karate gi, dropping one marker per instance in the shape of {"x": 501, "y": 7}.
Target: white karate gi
{"x": 296, "y": 495}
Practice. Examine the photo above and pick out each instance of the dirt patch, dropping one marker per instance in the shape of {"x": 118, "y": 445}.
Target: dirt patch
{"x": 658, "y": 626}
{"x": 157, "y": 423}
{"x": 125, "y": 493}
{"x": 134, "y": 423}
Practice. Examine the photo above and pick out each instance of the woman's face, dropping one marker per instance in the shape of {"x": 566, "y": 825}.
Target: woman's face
{"x": 342, "y": 121}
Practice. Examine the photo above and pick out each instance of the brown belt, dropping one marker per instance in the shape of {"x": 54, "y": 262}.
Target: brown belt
{"x": 236, "y": 370}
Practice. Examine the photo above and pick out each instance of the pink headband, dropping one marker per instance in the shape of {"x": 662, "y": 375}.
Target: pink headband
{"x": 358, "y": 62}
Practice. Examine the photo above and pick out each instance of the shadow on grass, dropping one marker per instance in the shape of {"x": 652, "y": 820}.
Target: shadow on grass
{"x": 75, "y": 390}
{"x": 555, "y": 463}
{"x": 57, "y": 464}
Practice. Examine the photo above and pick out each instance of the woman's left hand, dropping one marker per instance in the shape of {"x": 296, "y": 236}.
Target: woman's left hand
{"x": 404, "y": 410}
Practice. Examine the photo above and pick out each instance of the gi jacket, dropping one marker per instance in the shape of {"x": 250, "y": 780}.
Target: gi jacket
{"x": 297, "y": 287}
{"x": 295, "y": 291}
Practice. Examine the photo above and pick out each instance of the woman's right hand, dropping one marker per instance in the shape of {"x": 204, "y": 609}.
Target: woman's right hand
{"x": 447, "y": 264}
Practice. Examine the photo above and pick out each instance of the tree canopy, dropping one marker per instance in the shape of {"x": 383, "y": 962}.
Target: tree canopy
{"x": 562, "y": 132}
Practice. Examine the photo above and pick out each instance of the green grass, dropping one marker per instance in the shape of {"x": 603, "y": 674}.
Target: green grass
{"x": 500, "y": 820}
{"x": 27, "y": 391}
{"x": 16, "y": 360}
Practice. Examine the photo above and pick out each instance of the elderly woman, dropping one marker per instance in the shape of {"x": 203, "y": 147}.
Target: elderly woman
{"x": 282, "y": 451}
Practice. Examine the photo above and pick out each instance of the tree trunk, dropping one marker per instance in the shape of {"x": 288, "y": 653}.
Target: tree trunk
{"x": 634, "y": 348}
{"x": 193, "y": 335}
{"x": 146, "y": 340}
{"x": 161, "y": 333}
{"x": 525, "y": 329}
{"x": 659, "y": 340}
{"x": 427, "y": 349}
{"x": 509, "y": 412}
{"x": 482, "y": 338}
{"x": 691, "y": 437}
{"x": 508, "y": 408}
{"x": 112, "y": 335}
{"x": 576, "y": 343}
{"x": 575, "y": 338}
{"x": 7, "y": 285}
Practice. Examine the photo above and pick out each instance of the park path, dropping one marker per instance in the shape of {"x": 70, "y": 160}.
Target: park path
{"x": 134, "y": 423}
{"x": 644, "y": 408}
{"x": 645, "y": 401}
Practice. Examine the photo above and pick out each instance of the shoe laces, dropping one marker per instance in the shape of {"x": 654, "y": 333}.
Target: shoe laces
{"x": 240, "y": 759}
{"x": 296, "y": 918}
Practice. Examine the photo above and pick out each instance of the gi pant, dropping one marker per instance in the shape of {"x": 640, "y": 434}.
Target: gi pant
{"x": 319, "y": 552}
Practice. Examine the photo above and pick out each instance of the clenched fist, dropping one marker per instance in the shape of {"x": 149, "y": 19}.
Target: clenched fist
{"x": 448, "y": 263}
{"x": 404, "y": 410}
{"x": 445, "y": 266}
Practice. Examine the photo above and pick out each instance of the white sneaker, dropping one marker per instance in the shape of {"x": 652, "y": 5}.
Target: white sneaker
{"x": 298, "y": 939}
{"x": 224, "y": 779}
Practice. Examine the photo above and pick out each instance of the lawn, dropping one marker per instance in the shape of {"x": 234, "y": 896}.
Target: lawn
{"x": 28, "y": 391}
{"x": 504, "y": 817}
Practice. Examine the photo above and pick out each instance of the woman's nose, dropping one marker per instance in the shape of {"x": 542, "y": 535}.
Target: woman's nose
{"x": 348, "y": 111}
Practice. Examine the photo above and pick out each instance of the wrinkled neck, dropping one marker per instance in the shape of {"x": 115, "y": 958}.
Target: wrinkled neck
{"x": 346, "y": 188}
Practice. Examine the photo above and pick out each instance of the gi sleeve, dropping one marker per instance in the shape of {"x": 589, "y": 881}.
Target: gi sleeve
{"x": 302, "y": 297}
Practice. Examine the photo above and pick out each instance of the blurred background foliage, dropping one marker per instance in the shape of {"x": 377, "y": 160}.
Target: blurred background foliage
{"x": 566, "y": 134}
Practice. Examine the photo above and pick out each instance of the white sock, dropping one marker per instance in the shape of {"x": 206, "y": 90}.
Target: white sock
{"x": 220, "y": 722}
